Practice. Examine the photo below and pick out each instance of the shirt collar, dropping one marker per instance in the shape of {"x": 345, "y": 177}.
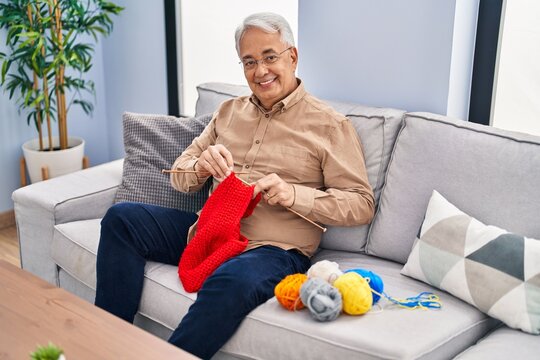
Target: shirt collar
{"x": 284, "y": 104}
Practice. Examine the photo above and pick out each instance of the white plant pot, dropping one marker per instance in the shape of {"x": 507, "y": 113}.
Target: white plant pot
{"x": 58, "y": 162}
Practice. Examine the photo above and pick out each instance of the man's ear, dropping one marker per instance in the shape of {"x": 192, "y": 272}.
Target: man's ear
{"x": 294, "y": 56}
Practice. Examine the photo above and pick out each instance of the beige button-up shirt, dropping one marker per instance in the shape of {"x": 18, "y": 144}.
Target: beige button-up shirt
{"x": 309, "y": 145}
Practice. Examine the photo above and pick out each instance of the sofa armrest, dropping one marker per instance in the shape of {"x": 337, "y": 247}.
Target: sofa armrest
{"x": 85, "y": 194}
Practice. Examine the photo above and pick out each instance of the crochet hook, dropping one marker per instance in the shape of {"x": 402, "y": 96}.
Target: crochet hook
{"x": 323, "y": 229}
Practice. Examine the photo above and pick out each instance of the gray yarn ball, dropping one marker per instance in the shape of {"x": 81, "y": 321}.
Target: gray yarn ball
{"x": 322, "y": 299}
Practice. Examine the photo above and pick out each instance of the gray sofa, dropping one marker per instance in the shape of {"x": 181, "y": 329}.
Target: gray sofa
{"x": 487, "y": 172}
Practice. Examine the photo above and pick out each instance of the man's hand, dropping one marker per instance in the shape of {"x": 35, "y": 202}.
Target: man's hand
{"x": 216, "y": 160}
{"x": 275, "y": 190}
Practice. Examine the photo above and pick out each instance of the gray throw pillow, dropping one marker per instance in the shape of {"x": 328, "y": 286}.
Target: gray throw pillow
{"x": 152, "y": 143}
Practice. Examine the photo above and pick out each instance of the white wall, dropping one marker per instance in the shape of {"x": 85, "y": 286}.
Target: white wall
{"x": 134, "y": 67}
{"x": 391, "y": 53}
{"x": 13, "y": 132}
{"x": 207, "y": 43}
{"x": 516, "y": 104}
{"x": 93, "y": 129}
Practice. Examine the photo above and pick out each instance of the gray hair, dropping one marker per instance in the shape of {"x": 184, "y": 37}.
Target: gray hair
{"x": 267, "y": 22}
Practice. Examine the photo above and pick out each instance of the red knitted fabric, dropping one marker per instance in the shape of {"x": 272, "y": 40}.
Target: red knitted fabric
{"x": 218, "y": 235}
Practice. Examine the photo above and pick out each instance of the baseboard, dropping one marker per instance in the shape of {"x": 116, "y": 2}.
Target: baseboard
{"x": 7, "y": 219}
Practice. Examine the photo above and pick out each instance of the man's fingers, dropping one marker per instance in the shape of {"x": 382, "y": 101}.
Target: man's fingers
{"x": 220, "y": 160}
{"x": 227, "y": 156}
{"x": 207, "y": 166}
{"x": 216, "y": 161}
{"x": 275, "y": 190}
{"x": 226, "y": 162}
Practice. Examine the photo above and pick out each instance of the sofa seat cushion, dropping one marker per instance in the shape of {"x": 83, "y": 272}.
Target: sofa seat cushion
{"x": 503, "y": 344}
{"x": 413, "y": 333}
{"x": 74, "y": 248}
{"x": 273, "y": 332}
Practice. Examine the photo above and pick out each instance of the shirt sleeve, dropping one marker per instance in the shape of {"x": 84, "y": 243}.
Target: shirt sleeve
{"x": 189, "y": 182}
{"x": 347, "y": 198}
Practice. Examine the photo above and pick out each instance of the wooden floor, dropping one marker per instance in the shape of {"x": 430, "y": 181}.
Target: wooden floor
{"x": 9, "y": 245}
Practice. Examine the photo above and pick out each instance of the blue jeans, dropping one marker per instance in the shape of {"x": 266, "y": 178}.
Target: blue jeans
{"x": 132, "y": 233}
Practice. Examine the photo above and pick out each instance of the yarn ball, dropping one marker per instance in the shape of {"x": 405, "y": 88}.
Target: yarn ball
{"x": 288, "y": 291}
{"x": 356, "y": 293}
{"x": 322, "y": 299}
{"x": 375, "y": 282}
{"x": 326, "y": 270}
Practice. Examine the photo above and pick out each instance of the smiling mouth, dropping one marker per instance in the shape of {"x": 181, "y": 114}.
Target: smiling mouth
{"x": 266, "y": 83}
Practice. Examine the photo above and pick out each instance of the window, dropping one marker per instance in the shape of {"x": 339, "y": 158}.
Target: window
{"x": 516, "y": 95}
{"x": 506, "y": 76}
{"x": 206, "y": 41}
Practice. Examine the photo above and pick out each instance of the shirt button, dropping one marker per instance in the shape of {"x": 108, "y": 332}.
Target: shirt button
{"x": 257, "y": 141}
{"x": 246, "y": 166}
{"x": 267, "y": 116}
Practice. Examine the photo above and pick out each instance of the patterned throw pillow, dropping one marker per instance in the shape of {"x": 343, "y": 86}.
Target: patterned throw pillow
{"x": 152, "y": 143}
{"x": 496, "y": 271}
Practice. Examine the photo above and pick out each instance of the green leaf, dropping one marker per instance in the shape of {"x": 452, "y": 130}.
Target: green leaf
{"x": 5, "y": 69}
{"x": 49, "y": 352}
{"x": 87, "y": 107}
{"x": 29, "y": 117}
{"x": 37, "y": 101}
{"x": 33, "y": 47}
{"x": 29, "y": 34}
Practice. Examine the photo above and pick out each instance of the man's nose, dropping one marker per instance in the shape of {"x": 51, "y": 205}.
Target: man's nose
{"x": 261, "y": 68}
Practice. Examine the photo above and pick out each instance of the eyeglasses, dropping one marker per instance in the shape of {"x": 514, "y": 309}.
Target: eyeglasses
{"x": 267, "y": 60}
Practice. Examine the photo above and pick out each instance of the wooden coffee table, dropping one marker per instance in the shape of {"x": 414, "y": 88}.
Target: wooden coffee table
{"x": 34, "y": 312}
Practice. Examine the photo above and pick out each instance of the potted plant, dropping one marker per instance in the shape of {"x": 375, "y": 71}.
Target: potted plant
{"x": 48, "y": 55}
{"x": 48, "y": 352}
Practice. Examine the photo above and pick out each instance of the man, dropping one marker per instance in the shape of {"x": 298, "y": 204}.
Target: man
{"x": 296, "y": 150}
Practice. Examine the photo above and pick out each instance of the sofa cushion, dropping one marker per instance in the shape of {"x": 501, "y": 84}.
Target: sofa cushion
{"x": 488, "y": 267}
{"x": 152, "y": 143}
{"x": 377, "y": 129}
{"x": 503, "y": 344}
{"x": 74, "y": 248}
{"x": 74, "y": 286}
{"x": 270, "y": 331}
{"x": 414, "y": 334}
{"x": 211, "y": 95}
{"x": 484, "y": 171}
